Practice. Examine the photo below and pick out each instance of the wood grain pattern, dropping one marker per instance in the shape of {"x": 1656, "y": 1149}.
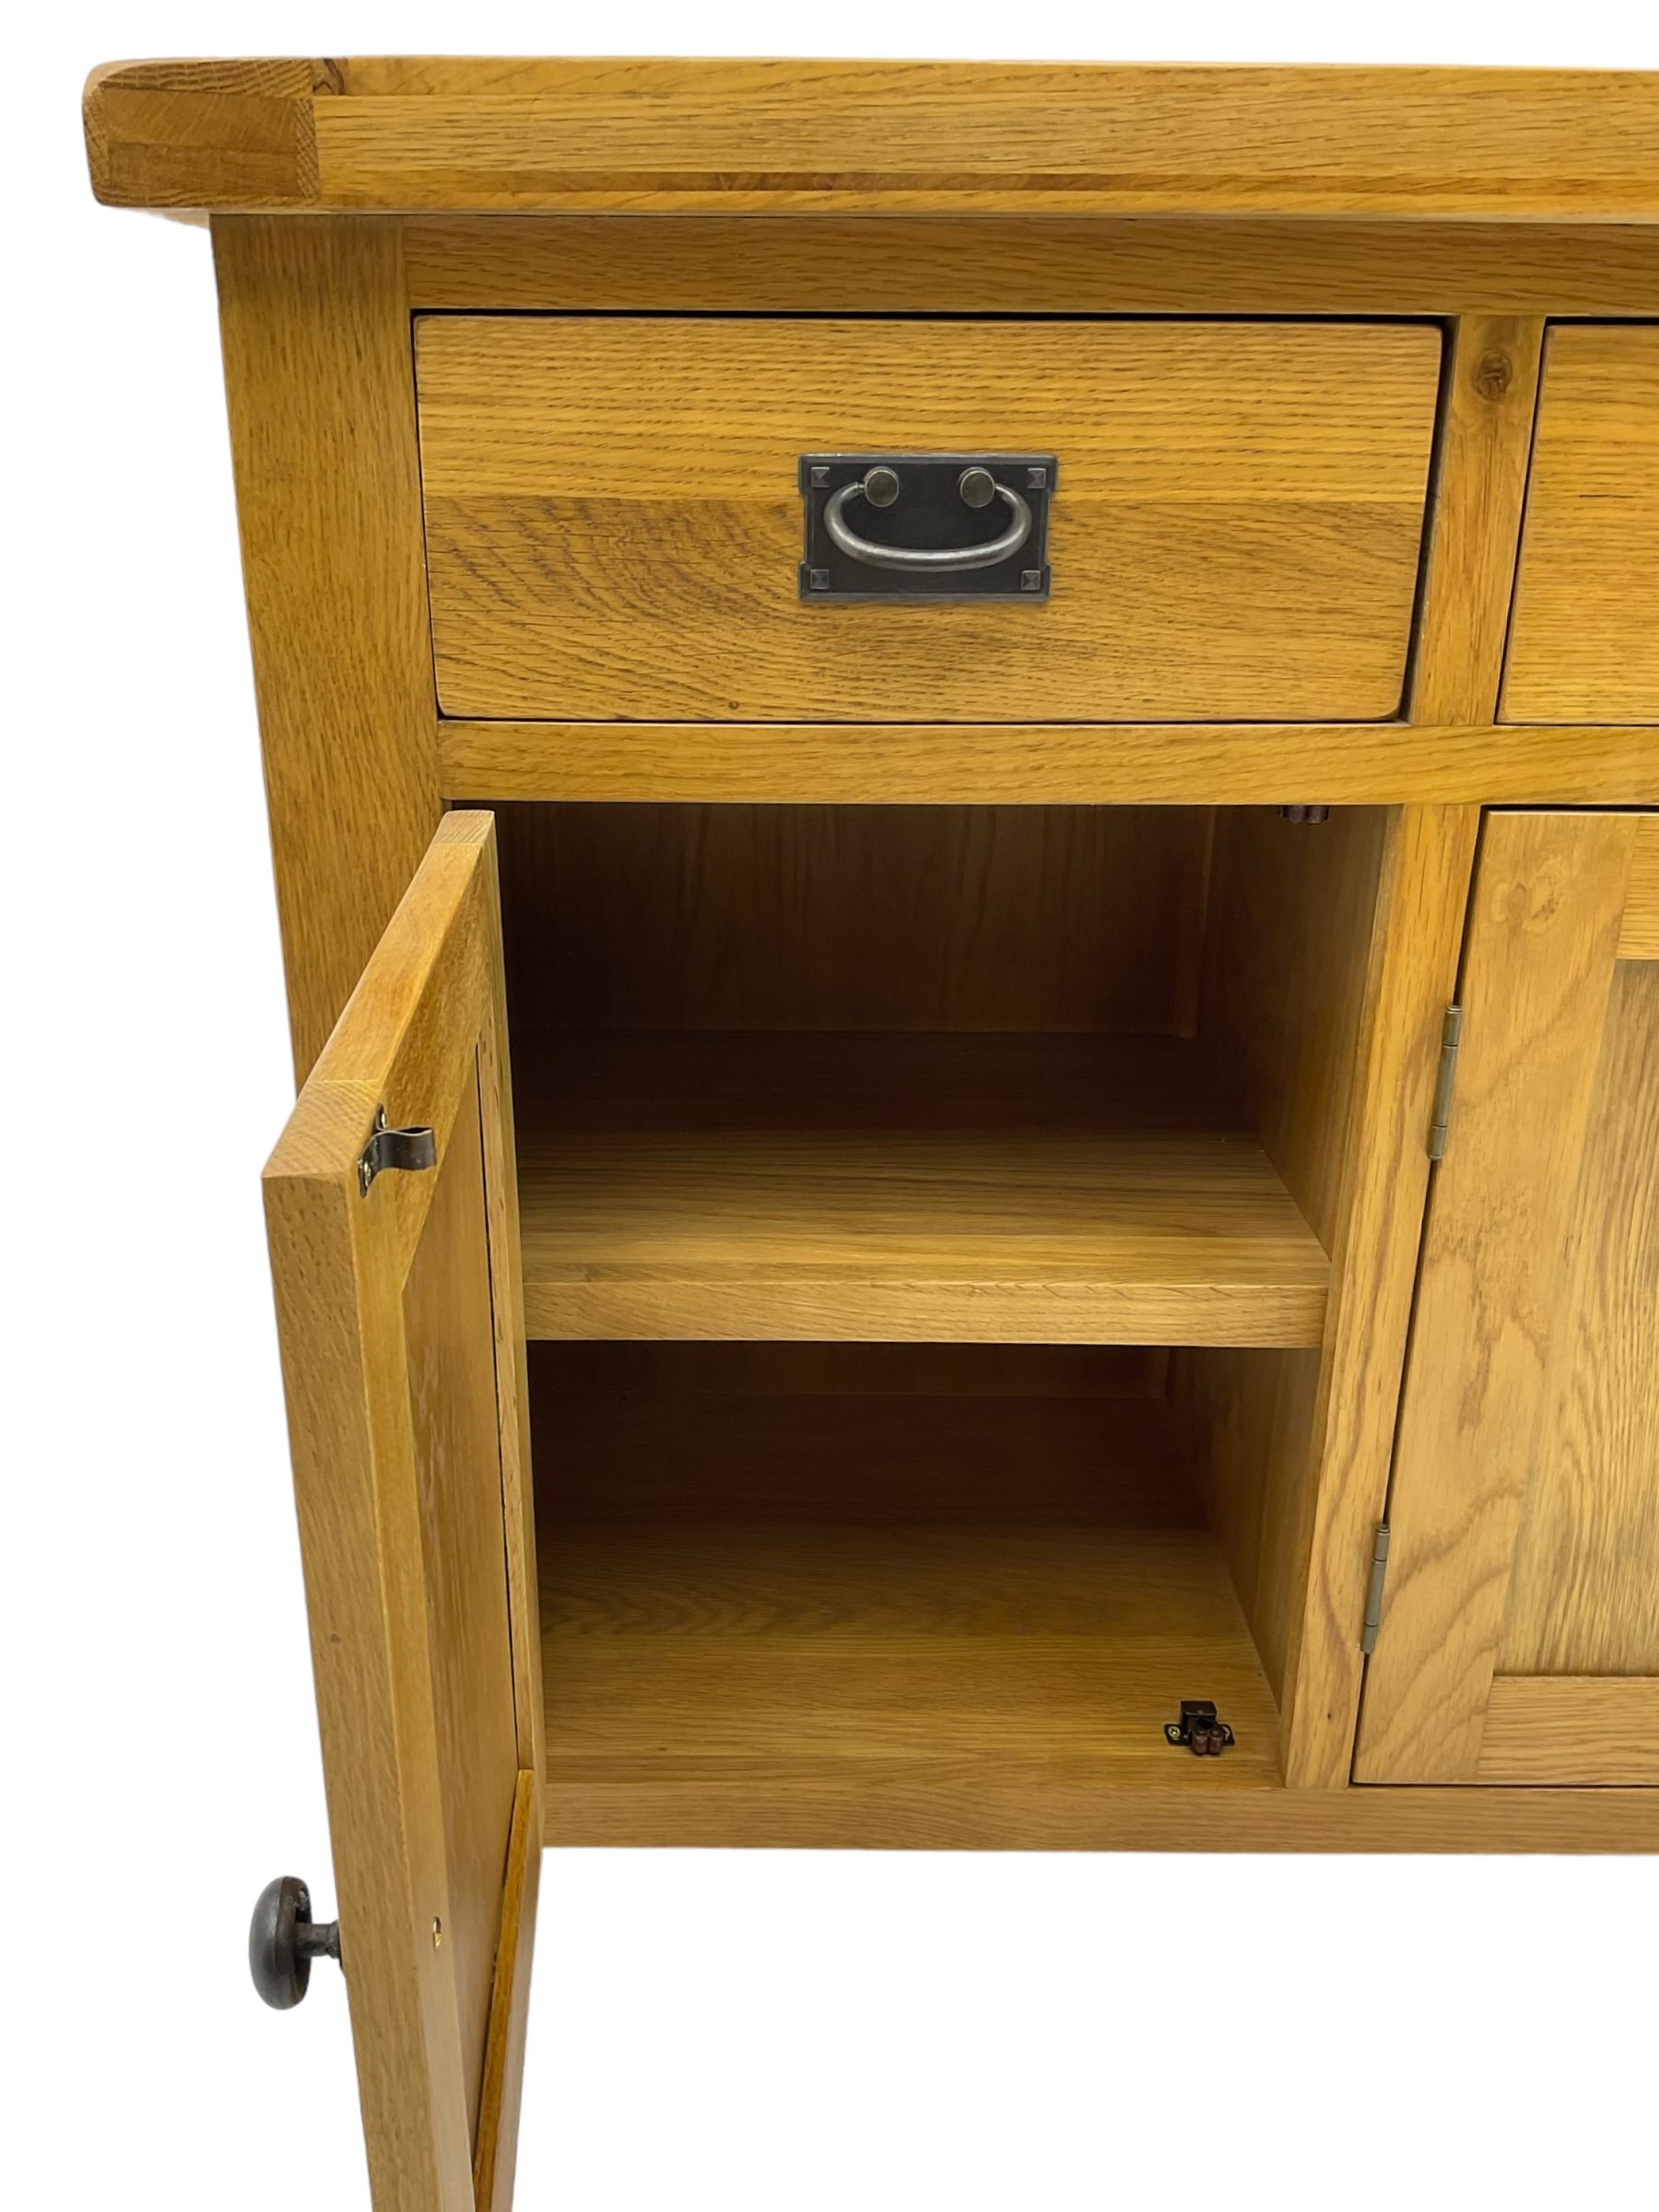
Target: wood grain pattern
{"x": 963, "y": 918}
{"x": 1037, "y": 1189}
{"x": 614, "y": 529}
{"x": 1030, "y": 264}
{"x": 317, "y": 377}
{"x": 415, "y": 132}
{"x": 1417, "y": 930}
{"x": 618, "y": 1368}
{"x": 1288, "y": 965}
{"x": 211, "y": 133}
{"x": 1024, "y": 763}
{"x": 1249, "y": 1416}
{"x": 1292, "y": 916}
{"x": 1480, "y": 485}
{"x": 449, "y": 1351}
{"x": 1638, "y": 933}
{"x": 496, "y": 2143}
{"x": 1544, "y": 920}
{"x": 1583, "y": 1590}
{"x": 1332, "y": 952}
{"x": 1571, "y": 1728}
{"x": 1583, "y": 646}
{"x": 793, "y": 1585}
{"x": 389, "y": 1367}
{"x": 1326, "y": 1506}
{"x": 899, "y": 1811}
{"x": 507, "y": 1306}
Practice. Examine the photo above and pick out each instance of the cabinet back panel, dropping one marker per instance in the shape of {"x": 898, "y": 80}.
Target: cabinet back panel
{"x": 619, "y": 1368}
{"x": 954, "y": 918}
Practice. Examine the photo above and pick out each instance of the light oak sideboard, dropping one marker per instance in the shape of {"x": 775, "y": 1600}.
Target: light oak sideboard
{"x": 1028, "y": 699}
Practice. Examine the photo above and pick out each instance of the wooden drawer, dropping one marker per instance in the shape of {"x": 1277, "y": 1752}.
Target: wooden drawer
{"x": 614, "y": 526}
{"x": 1585, "y": 643}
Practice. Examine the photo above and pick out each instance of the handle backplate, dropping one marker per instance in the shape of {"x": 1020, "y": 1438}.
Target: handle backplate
{"x": 914, "y": 527}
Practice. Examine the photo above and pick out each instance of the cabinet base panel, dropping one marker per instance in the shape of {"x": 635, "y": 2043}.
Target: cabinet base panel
{"x": 932, "y": 1816}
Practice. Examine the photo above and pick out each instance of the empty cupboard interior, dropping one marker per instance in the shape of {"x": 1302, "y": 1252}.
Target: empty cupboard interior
{"x": 927, "y": 1219}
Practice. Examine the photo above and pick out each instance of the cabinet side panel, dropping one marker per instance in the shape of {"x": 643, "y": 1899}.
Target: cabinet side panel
{"x": 318, "y": 378}
{"x": 1334, "y": 951}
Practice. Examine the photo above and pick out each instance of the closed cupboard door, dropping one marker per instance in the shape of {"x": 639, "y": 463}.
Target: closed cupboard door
{"x": 395, "y": 1267}
{"x": 1520, "y": 1632}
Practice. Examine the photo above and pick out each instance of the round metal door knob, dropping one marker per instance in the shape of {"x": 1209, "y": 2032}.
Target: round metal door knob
{"x": 282, "y": 1939}
{"x": 977, "y": 487}
{"x": 881, "y": 486}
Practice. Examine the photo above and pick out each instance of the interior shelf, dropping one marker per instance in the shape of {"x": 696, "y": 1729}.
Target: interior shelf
{"x": 1015, "y": 1188}
{"x": 750, "y": 1587}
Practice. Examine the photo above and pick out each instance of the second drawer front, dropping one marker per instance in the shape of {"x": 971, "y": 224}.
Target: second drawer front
{"x": 1584, "y": 641}
{"x": 614, "y": 529}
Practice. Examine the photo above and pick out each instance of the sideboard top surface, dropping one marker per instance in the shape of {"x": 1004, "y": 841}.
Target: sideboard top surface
{"x": 387, "y": 135}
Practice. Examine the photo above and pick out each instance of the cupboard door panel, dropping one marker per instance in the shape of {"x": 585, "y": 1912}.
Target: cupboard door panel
{"x": 1519, "y": 1637}
{"x": 401, "y": 1327}
{"x": 1585, "y": 1589}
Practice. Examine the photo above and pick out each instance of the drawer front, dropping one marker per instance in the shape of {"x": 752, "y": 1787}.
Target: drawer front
{"x": 1585, "y": 642}
{"x": 614, "y": 526}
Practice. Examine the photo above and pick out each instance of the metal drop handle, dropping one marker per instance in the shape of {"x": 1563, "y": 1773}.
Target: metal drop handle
{"x": 880, "y": 489}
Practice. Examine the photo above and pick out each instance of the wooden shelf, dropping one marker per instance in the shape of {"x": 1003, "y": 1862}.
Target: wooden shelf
{"x": 741, "y": 1589}
{"x": 994, "y": 1188}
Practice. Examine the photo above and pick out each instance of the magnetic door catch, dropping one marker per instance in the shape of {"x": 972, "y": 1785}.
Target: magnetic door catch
{"x": 1204, "y": 1736}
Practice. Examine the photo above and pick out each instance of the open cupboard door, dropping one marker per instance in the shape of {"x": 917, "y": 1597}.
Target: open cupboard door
{"x": 396, "y": 1271}
{"x": 1520, "y": 1632}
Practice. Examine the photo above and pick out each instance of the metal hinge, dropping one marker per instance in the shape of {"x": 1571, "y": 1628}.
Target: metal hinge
{"x": 1373, "y": 1590}
{"x": 410, "y": 1149}
{"x": 1450, "y": 1036}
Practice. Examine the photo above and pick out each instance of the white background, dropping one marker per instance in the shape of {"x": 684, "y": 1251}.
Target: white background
{"x": 752, "y": 2032}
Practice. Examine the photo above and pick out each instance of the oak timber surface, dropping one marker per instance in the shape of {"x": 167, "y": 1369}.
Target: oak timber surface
{"x": 793, "y": 1586}
{"x": 447, "y": 1335}
{"x": 393, "y": 1375}
{"x": 614, "y": 526}
{"x": 1638, "y": 933}
{"x": 1286, "y": 978}
{"x": 866, "y": 1809}
{"x": 1584, "y": 642}
{"x": 1033, "y": 1189}
{"x": 1595, "y": 1729}
{"x": 1024, "y": 763}
{"x": 801, "y": 917}
{"x": 413, "y": 132}
{"x": 1024, "y": 264}
{"x": 316, "y": 352}
{"x": 1523, "y": 1468}
{"x": 1482, "y": 450}
{"x": 1583, "y": 1595}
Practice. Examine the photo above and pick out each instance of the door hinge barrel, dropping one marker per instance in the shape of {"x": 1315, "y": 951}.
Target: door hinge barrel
{"x": 1373, "y": 1590}
{"x": 1445, "y": 1081}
